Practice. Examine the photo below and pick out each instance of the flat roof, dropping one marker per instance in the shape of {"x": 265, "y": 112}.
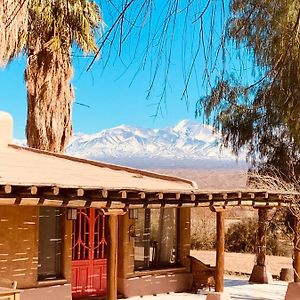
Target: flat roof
{"x": 34, "y": 177}
{"x": 27, "y": 166}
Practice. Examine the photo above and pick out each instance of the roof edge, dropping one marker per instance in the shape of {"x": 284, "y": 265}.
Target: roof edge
{"x": 107, "y": 165}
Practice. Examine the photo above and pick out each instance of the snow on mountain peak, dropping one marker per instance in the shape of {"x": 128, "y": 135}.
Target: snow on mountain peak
{"x": 182, "y": 145}
{"x": 188, "y": 124}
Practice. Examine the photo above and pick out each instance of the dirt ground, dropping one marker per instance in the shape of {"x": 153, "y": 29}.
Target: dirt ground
{"x": 241, "y": 263}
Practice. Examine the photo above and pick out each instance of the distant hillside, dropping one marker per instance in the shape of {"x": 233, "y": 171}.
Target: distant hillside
{"x": 221, "y": 179}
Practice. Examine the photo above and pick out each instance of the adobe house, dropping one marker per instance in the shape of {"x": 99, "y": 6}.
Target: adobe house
{"x": 71, "y": 227}
{"x": 48, "y": 247}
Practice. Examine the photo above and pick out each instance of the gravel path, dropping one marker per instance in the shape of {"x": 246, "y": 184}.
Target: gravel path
{"x": 243, "y": 263}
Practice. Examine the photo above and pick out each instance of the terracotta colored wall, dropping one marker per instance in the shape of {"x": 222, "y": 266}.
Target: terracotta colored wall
{"x": 58, "y": 292}
{"x": 155, "y": 284}
{"x": 19, "y": 244}
{"x": 130, "y": 285}
{"x": 19, "y": 227}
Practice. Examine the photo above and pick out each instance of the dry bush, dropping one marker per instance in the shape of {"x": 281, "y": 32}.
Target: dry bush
{"x": 275, "y": 182}
{"x": 203, "y": 229}
{"x": 241, "y": 237}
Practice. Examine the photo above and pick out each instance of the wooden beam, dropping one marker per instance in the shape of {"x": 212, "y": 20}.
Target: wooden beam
{"x": 114, "y": 211}
{"x": 160, "y": 196}
{"x": 55, "y": 190}
{"x": 251, "y": 195}
{"x": 111, "y": 293}
{"x": 7, "y": 189}
{"x": 216, "y": 208}
{"x": 104, "y": 193}
{"x": 220, "y": 252}
{"x": 26, "y": 191}
{"x": 49, "y": 191}
{"x": 123, "y": 194}
{"x": 80, "y": 192}
{"x": 32, "y": 190}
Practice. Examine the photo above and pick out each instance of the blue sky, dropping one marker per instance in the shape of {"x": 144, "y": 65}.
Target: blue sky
{"x": 112, "y": 97}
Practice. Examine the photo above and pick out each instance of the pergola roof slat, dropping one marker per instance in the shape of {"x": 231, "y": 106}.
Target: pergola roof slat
{"x": 114, "y": 198}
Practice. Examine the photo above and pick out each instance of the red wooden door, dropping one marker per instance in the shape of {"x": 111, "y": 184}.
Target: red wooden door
{"x": 89, "y": 261}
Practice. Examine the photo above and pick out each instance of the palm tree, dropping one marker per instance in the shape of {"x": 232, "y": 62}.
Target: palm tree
{"x": 13, "y": 25}
{"x": 53, "y": 29}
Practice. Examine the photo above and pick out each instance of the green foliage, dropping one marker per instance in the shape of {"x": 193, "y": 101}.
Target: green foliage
{"x": 271, "y": 31}
{"x": 56, "y": 25}
{"x": 264, "y": 116}
{"x": 241, "y": 237}
{"x": 203, "y": 241}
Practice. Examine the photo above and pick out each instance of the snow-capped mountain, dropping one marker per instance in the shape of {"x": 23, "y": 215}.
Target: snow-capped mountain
{"x": 189, "y": 144}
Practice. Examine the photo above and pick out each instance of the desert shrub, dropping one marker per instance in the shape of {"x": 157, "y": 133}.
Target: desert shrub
{"x": 278, "y": 246}
{"x": 203, "y": 230}
{"x": 241, "y": 236}
{"x": 280, "y": 235}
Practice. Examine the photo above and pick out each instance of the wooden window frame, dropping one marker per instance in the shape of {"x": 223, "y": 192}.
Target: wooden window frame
{"x": 149, "y": 265}
{"x": 58, "y": 240}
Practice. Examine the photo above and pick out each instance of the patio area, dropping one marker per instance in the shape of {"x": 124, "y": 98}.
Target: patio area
{"x": 238, "y": 288}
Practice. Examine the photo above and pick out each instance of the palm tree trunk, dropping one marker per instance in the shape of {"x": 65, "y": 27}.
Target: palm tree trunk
{"x": 13, "y": 27}
{"x": 50, "y": 97}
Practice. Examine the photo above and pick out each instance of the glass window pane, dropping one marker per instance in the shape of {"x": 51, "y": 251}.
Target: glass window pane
{"x": 156, "y": 238}
{"x": 50, "y": 235}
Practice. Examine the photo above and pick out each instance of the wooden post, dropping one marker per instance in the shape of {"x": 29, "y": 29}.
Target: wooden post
{"x": 296, "y": 262}
{"x": 261, "y": 237}
{"x": 146, "y": 238}
{"x": 260, "y": 274}
{"x": 220, "y": 252}
{"x": 112, "y": 274}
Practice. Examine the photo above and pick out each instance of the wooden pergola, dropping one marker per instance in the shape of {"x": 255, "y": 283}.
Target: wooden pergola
{"x": 113, "y": 199}
{"x": 30, "y": 177}
{"x": 116, "y": 202}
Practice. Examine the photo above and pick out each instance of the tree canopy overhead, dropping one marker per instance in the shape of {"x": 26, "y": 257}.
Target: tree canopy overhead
{"x": 264, "y": 115}
{"x": 259, "y": 114}
{"x": 13, "y": 27}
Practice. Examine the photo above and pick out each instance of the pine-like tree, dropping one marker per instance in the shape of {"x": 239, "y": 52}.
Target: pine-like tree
{"x": 264, "y": 116}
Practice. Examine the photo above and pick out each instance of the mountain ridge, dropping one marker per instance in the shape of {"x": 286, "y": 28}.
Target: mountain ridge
{"x": 188, "y": 144}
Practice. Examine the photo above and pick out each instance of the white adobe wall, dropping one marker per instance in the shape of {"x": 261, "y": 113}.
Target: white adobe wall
{"x": 6, "y": 129}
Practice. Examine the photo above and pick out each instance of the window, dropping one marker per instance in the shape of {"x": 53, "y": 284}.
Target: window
{"x": 156, "y": 238}
{"x": 50, "y": 243}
